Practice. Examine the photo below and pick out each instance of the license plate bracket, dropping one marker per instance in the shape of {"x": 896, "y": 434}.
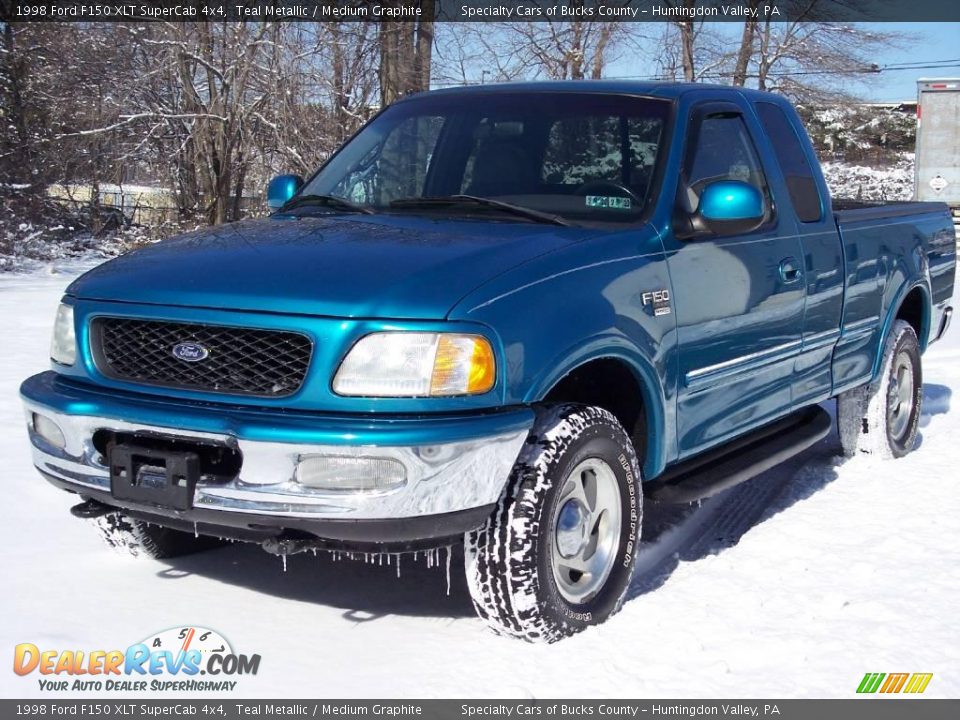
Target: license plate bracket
{"x": 157, "y": 477}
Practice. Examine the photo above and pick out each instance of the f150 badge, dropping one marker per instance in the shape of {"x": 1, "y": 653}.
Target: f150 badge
{"x": 659, "y": 300}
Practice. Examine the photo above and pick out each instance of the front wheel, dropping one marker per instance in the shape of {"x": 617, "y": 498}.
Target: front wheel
{"x": 135, "y": 537}
{"x": 558, "y": 553}
{"x": 882, "y": 418}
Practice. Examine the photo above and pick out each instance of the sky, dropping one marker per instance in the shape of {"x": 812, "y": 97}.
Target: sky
{"x": 935, "y": 41}
{"x": 920, "y": 43}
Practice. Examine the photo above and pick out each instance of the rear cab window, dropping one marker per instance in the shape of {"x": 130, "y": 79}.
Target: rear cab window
{"x": 794, "y": 164}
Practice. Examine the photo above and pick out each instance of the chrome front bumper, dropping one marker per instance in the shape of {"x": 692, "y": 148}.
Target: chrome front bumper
{"x": 440, "y": 478}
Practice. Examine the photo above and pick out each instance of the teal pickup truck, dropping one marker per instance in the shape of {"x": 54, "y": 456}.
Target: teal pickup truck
{"x": 504, "y": 316}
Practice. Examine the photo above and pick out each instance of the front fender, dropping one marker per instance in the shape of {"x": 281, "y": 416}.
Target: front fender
{"x": 580, "y": 304}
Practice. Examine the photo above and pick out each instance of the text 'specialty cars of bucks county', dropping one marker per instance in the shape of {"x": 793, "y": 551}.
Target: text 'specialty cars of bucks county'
{"x": 503, "y": 316}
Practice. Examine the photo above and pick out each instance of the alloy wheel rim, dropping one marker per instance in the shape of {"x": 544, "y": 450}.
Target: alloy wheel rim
{"x": 586, "y": 530}
{"x": 900, "y": 400}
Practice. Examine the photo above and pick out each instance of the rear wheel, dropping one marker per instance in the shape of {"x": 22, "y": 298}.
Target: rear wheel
{"x": 141, "y": 539}
{"x": 558, "y": 553}
{"x": 882, "y": 418}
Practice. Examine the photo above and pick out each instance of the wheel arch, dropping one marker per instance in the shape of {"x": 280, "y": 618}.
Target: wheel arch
{"x": 599, "y": 378}
{"x": 911, "y": 304}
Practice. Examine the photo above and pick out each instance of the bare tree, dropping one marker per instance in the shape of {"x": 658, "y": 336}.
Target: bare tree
{"x": 325, "y": 90}
{"x": 224, "y": 103}
{"x": 683, "y": 54}
{"x": 690, "y": 51}
{"x": 688, "y": 31}
{"x": 805, "y": 58}
{"x": 747, "y": 47}
{"x": 816, "y": 61}
{"x": 54, "y": 79}
{"x": 205, "y": 109}
{"x": 210, "y": 110}
{"x": 223, "y": 87}
{"x": 470, "y": 53}
{"x": 406, "y": 49}
{"x": 550, "y": 49}
{"x": 18, "y": 151}
{"x": 571, "y": 50}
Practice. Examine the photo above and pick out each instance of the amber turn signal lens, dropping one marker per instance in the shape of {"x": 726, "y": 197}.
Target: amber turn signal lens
{"x": 463, "y": 365}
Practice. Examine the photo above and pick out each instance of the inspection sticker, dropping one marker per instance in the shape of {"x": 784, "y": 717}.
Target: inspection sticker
{"x": 609, "y": 201}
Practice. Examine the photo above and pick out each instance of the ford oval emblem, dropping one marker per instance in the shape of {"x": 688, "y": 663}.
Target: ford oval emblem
{"x": 190, "y": 352}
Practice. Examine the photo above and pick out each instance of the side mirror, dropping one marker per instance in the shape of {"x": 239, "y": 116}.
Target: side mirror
{"x": 731, "y": 207}
{"x": 281, "y": 189}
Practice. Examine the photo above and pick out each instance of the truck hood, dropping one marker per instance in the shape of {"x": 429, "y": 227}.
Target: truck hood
{"x": 385, "y": 266}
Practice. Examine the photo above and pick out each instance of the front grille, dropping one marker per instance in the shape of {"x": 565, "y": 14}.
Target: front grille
{"x": 267, "y": 363}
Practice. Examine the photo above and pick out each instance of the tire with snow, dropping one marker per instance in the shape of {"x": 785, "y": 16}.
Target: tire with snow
{"x": 882, "y": 418}
{"x": 558, "y": 553}
{"x": 140, "y": 539}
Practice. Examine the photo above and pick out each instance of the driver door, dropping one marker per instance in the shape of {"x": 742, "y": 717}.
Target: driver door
{"x": 738, "y": 299}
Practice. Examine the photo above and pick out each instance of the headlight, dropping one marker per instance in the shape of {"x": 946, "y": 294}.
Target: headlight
{"x": 412, "y": 364}
{"x": 63, "y": 346}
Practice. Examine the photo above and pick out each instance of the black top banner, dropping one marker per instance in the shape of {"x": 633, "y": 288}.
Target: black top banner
{"x": 482, "y": 10}
{"x": 227, "y": 708}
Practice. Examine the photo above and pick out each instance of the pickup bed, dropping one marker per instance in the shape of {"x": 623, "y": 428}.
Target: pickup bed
{"x": 503, "y": 316}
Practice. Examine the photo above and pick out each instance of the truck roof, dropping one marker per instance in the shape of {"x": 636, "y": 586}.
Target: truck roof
{"x": 624, "y": 87}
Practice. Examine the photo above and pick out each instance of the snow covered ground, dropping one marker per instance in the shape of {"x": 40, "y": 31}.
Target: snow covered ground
{"x": 793, "y": 585}
{"x": 863, "y": 182}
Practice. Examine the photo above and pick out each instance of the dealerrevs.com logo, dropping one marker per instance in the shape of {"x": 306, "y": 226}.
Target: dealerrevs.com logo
{"x": 178, "y": 659}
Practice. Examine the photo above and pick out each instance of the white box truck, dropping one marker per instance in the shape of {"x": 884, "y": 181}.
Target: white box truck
{"x": 937, "y": 173}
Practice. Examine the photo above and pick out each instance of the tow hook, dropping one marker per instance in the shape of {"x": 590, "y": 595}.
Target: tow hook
{"x": 91, "y": 509}
{"x": 288, "y": 546}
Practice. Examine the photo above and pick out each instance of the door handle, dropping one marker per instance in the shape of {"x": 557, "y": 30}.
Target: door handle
{"x": 790, "y": 270}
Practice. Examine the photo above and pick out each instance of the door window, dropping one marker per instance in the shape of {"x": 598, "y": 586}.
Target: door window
{"x": 724, "y": 151}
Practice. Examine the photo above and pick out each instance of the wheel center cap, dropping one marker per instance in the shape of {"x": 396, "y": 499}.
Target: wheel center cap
{"x": 571, "y": 528}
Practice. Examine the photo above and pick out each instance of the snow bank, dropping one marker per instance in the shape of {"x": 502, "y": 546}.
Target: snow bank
{"x": 862, "y": 182}
{"x": 30, "y": 248}
{"x": 36, "y": 231}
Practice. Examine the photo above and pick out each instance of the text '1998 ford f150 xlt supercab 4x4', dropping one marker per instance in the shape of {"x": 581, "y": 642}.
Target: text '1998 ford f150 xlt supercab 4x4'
{"x": 503, "y": 316}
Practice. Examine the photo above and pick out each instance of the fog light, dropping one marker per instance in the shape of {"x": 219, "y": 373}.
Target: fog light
{"x": 351, "y": 474}
{"x": 49, "y": 431}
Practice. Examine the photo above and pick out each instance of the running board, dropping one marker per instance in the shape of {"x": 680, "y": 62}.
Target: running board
{"x": 741, "y": 459}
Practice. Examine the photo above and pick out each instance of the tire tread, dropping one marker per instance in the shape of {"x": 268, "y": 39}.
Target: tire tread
{"x": 501, "y": 571}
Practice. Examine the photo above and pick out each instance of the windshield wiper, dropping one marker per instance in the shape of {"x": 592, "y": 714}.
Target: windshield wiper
{"x": 450, "y": 200}
{"x": 331, "y": 201}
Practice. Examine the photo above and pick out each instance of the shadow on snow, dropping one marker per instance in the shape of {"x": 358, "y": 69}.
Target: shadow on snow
{"x": 367, "y": 591}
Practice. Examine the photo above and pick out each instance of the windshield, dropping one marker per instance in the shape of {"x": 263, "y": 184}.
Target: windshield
{"x": 581, "y": 157}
